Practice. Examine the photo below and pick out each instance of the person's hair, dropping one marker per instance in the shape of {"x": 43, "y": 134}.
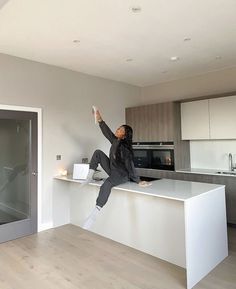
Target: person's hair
{"x": 128, "y": 139}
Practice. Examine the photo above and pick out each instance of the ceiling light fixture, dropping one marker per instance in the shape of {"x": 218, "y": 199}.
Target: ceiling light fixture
{"x": 174, "y": 58}
{"x": 136, "y": 9}
{"x": 187, "y": 39}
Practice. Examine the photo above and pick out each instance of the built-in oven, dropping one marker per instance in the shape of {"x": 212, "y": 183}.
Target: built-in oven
{"x": 154, "y": 155}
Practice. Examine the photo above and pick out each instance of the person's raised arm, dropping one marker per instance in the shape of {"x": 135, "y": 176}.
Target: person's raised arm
{"x": 104, "y": 128}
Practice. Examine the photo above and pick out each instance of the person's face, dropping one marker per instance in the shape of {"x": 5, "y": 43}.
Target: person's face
{"x": 120, "y": 132}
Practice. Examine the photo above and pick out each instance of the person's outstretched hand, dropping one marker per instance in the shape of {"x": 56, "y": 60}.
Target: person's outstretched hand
{"x": 98, "y": 116}
{"x": 144, "y": 184}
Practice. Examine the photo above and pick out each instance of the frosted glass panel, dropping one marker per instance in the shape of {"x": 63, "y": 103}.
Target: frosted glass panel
{"x": 14, "y": 170}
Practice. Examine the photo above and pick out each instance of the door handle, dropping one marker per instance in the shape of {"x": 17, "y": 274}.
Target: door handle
{"x": 34, "y": 173}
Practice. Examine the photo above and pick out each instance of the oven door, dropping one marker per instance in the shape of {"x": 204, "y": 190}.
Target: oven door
{"x": 162, "y": 159}
{"x": 141, "y": 158}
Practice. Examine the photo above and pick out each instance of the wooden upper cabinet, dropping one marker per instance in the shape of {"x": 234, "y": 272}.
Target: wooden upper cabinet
{"x": 152, "y": 123}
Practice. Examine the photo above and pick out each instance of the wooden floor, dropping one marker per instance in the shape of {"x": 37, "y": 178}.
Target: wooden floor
{"x": 71, "y": 258}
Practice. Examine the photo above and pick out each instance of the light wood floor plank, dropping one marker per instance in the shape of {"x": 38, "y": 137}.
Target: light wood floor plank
{"x": 69, "y": 257}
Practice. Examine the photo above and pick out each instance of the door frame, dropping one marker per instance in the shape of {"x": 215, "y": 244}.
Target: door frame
{"x": 40, "y": 226}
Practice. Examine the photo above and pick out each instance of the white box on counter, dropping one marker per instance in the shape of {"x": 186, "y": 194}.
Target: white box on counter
{"x": 80, "y": 171}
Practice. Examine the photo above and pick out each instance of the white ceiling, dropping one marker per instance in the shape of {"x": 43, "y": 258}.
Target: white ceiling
{"x": 110, "y": 33}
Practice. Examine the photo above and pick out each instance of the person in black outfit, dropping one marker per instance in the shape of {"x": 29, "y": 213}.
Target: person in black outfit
{"x": 119, "y": 166}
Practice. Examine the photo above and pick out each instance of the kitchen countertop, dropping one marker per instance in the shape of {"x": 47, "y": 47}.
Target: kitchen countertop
{"x": 208, "y": 172}
{"x": 163, "y": 188}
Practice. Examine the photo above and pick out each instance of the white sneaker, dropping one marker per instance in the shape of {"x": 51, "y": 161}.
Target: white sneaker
{"x": 89, "y": 178}
{"x": 91, "y": 218}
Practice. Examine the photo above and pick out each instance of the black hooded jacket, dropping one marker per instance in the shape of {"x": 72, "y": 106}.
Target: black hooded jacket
{"x": 121, "y": 158}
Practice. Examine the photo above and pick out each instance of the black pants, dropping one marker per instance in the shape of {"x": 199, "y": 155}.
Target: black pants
{"x": 113, "y": 180}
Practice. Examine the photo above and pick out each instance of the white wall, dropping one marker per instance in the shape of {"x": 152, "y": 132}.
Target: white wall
{"x": 211, "y": 83}
{"x": 66, "y": 98}
{"x": 212, "y": 154}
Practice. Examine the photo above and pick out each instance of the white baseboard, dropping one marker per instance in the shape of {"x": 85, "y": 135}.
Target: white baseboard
{"x": 45, "y": 226}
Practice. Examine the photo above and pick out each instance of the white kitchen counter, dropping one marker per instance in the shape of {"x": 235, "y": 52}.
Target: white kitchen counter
{"x": 208, "y": 172}
{"x": 163, "y": 188}
{"x": 181, "y": 222}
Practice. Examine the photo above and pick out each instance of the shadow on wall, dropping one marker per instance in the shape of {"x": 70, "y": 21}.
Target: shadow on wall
{"x": 76, "y": 138}
{"x": 2, "y": 3}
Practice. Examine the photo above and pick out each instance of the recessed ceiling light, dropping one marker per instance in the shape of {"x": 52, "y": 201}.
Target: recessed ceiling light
{"x": 136, "y": 9}
{"x": 129, "y": 59}
{"x": 174, "y": 58}
{"x": 76, "y": 41}
{"x": 187, "y": 39}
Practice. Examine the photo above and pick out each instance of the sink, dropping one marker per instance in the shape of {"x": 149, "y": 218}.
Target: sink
{"x": 226, "y": 173}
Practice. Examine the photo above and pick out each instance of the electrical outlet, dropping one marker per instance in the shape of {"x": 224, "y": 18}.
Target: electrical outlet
{"x": 58, "y": 157}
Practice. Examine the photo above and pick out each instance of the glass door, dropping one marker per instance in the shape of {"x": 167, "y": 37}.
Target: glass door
{"x": 18, "y": 174}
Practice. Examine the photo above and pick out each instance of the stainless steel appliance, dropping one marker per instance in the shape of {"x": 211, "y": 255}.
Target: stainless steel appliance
{"x": 154, "y": 155}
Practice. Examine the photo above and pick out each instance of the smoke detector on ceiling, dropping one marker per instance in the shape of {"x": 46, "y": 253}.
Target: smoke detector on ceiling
{"x": 186, "y": 39}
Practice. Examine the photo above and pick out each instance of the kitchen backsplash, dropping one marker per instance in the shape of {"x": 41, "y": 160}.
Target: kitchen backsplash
{"x": 212, "y": 154}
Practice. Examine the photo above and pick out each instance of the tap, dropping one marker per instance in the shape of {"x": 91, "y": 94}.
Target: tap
{"x": 231, "y": 166}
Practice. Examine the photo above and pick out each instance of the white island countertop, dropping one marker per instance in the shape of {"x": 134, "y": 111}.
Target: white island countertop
{"x": 163, "y": 188}
{"x": 214, "y": 172}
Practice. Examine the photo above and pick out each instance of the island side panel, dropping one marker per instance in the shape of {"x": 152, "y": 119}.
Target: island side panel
{"x": 150, "y": 224}
{"x": 61, "y": 203}
{"x": 206, "y": 234}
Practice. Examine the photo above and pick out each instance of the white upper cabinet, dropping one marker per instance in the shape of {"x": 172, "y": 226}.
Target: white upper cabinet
{"x": 213, "y": 118}
{"x": 195, "y": 120}
{"x": 223, "y": 117}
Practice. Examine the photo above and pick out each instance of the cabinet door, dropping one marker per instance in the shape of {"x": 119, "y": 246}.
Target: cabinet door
{"x": 152, "y": 122}
{"x": 195, "y": 120}
{"x": 138, "y": 119}
{"x": 223, "y": 117}
{"x": 161, "y": 121}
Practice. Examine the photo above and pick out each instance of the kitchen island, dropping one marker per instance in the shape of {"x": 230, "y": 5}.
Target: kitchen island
{"x": 181, "y": 222}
